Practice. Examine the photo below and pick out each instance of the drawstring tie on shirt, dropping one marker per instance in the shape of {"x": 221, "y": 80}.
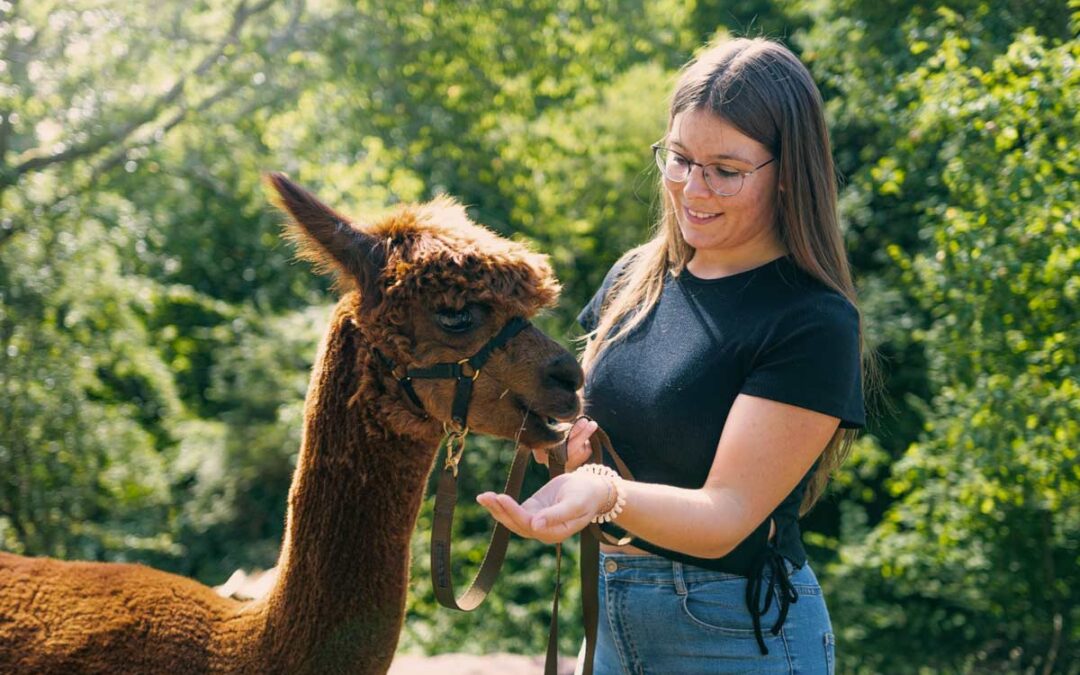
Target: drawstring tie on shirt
{"x": 779, "y": 585}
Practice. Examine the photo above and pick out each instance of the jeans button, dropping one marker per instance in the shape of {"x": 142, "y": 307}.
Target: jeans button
{"x": 610, "y": 566}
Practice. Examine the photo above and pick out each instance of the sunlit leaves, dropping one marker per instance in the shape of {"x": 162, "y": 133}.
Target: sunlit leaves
{"x": 155, "y": 335}
{"x": 977, "y": 545}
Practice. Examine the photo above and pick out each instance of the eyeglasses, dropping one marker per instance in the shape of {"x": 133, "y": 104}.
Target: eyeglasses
{"x": 721, "y": 180}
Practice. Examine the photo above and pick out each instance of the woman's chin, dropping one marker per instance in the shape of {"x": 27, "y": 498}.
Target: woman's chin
{"x": 696, "y": 239}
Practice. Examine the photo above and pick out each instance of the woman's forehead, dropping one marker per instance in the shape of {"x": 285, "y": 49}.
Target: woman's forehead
{"x": 709, "y": 136}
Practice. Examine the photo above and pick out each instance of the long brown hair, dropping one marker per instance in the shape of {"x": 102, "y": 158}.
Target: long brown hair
{"x": 763, "y": 90}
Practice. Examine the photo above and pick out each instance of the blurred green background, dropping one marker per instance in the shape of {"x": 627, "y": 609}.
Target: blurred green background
{"x": 156, "y": 335}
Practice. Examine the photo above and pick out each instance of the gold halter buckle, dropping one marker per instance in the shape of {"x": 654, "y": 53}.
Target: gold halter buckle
{"x": 475, "y": 371}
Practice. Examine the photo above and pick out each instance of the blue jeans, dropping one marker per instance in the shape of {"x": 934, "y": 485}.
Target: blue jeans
{"x": 664, "y": 617}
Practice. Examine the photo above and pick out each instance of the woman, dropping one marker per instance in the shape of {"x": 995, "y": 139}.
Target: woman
{"x": 724, "y": 362}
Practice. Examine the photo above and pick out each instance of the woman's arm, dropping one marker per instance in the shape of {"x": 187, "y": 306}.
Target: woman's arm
{"x": 765, "y": 449}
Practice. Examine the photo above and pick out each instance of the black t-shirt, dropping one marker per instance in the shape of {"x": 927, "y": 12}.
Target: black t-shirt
{"x": 663, "y": 392}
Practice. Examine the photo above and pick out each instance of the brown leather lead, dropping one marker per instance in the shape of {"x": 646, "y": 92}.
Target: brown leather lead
{"x": 473, "y": 596}
{"x": 556, "y": 467}
{"x": 589, "y": 557}
{"x": 441, "y": 570}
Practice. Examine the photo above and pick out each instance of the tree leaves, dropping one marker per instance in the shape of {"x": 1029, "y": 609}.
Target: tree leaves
{"x": 155, "y": 336}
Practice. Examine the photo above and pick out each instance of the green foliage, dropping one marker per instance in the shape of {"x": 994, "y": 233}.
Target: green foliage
{"x": 977, "y": 550}
{"x": 85, "y": 407}
{"x": 232, "y": 472}
{"x": 586, "y": 182}
{"x": 156, "y": 337}
{"x": 439, "y": 82}
{"x": 105, "y": 358}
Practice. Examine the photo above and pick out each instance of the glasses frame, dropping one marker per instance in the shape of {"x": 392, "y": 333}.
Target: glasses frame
{"x": 657, "y": 148}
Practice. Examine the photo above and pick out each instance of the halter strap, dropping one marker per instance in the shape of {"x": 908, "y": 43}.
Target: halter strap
{"x": 464, "y": 371}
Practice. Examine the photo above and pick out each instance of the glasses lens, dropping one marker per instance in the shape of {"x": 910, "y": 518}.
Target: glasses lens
{"x": 722, "y": 181}
{"x": 673, "y": 165}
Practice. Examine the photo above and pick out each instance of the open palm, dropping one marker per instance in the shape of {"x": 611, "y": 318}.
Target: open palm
{"x": 559, "y": 509}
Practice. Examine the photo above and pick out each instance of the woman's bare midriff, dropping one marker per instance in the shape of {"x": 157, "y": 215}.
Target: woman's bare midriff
{"x": 630, "y": 549}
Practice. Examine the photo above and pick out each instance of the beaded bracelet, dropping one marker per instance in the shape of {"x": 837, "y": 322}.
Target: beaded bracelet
{"x": 616, "y": 501}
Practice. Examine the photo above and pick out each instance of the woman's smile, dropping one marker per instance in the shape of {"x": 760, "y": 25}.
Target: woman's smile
{"x": 700, "y": 217}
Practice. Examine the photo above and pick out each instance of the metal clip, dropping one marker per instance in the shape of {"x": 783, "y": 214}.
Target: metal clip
{"x": 453, "y": 457}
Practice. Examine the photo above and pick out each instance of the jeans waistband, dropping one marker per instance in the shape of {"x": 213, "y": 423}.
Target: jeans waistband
{"x": 658, "y": 569}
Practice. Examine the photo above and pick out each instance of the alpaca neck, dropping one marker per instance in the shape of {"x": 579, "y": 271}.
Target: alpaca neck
{"x": 340, "y": 597}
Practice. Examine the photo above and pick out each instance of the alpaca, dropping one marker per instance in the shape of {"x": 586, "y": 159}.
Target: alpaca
{"x": 422, "y": 286}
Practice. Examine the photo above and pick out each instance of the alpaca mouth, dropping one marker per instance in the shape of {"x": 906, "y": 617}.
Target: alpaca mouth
{"x": 556, "y": 425}
{"x": 545, "y": 430}
{"x": 550, "y": 422}
{"x": 547, "y": 426}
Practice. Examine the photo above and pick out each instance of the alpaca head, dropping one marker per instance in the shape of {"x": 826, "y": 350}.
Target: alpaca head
{"x": 433, "y": 287}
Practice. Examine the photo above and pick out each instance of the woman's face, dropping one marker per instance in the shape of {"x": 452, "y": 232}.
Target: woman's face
{"x": 738, "y": 226}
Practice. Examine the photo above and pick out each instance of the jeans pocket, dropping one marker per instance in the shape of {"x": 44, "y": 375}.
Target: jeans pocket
{"x": 721, "y": 607}
{"x": 830, "y": 653}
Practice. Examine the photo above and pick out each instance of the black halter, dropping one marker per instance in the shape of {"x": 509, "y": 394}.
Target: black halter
{"x": 464, "y": 371}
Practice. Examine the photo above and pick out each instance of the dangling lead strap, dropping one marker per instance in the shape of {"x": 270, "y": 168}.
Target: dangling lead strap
{"x": 445, "y": 501}
{"x": 474, "y": 595}
{"x": 590, "y": 558}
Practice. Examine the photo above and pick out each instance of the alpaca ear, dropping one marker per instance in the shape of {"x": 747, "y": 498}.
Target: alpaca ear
{"x": 329, "y": 240}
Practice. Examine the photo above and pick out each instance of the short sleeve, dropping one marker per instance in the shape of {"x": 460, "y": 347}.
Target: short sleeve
{"x": 811, "y": 360}
{"x": 589, "y": 317}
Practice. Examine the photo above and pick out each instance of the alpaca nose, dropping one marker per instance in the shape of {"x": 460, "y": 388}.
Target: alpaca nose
{"x": 563, "y": 371}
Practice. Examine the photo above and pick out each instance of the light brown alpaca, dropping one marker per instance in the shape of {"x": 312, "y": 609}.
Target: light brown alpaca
{"x": 424, "y": 286}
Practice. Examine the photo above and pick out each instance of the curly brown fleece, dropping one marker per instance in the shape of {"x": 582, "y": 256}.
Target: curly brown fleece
{"x": 338, "y": 604}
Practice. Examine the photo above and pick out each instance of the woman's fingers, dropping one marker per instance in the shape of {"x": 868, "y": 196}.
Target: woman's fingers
{"x": 540, "y": 455}
{"x": 521, "y": 518}
{"x": 580, "y": 426}
{"x": 508, "y": 512}
{"x": 561, "y": 512}
{"x": 578, "y": 449}
{"x": 491, "y": 502}
{"x": 558, "y": 515}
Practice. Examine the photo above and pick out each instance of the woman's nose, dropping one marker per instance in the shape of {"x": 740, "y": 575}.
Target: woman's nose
{"x": 695, "y": 185}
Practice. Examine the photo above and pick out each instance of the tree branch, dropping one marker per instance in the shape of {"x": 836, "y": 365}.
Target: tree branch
{"x": 276, "y": 41}
{"x": 5, "y": 135}
{"x": 240, "y": 16}
{"x": 113, "y": 160}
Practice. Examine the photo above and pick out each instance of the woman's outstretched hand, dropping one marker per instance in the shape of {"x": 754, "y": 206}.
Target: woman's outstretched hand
{"x": 577, "y": 445}
{"x": 561, "y": 508}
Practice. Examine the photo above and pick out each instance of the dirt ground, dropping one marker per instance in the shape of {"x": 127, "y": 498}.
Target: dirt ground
{"x": 469, "y": 664}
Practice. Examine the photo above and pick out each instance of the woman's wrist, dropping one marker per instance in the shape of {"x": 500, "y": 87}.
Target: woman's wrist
{"x": 614, "y": 493}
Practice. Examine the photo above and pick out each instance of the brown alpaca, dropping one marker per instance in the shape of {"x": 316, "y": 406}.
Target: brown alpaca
{"x": 424, "y": 286}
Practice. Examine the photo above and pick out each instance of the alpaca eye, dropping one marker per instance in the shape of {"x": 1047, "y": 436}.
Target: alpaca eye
{"x": 454, "y": 320}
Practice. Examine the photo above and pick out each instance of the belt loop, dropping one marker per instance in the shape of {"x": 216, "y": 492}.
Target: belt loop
{"x": 680, "y": 582}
